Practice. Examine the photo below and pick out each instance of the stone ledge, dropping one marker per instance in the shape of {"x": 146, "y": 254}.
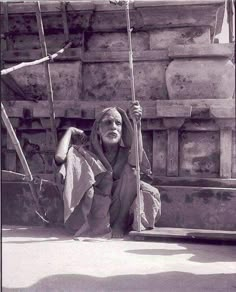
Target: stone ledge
{"x": 9, "y": 176}
{"x": 86, "y": 110}
{"x": 99, "y": 16}
{"x": 199, "y": 50}
{"x": 167, "y": 233}
{"x": 101, "y": 5}
{"x": 174, "y": 52}
{"x": 50, "y": 7}
{"x": 139, "y": 3}
{"x": 75, "y": 54}
{"x": 198, "y": 207}
{"x": 173, "y": 111}
{"x": 194, "y": 182}
{"x": 223, "y": 112}
{"x": 19, "y": 207}
{"x": 182, "y": 207}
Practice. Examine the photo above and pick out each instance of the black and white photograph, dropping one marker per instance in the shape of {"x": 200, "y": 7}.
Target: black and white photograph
{"x": 118, "y": 146}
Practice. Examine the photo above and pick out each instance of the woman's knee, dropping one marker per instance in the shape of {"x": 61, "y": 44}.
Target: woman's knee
{"x": 147, "y": 188}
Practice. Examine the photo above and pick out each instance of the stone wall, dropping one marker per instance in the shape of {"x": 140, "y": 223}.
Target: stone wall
{"x": 183, "y": 80}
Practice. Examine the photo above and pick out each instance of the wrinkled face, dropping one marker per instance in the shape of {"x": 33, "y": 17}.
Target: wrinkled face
{"x": 110, "y": 127}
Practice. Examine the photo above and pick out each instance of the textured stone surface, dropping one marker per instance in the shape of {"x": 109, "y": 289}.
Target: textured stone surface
{"x": 163, "y": 38}
{"x": 22, "y": 24}
{"x": 66, "y": 79}
{"x": 203, "y": 208}
{"x": 105, "y": 32}
{"x": 36, "y": 137}
{"x": 111, "y": 81}
{"x": 3, "y": 148}
{"x": 7, "y": 92}
{"x": 116, "y": 41}
{"x": 201, "y": 50}
{"x": 114, "y": 20}
{"x": 234, "y": 154}
{"x": 182, "y": 207}
{"x": 56, "y": 41}
{"x": 150, "y": 80}
{"x": 159, "y": 156}
{"x": 200, "y": 78}
{"x": 199, "y": 154}
{"x": 106, "y": 81}
{"x": 179, "y": 16}
{"x": 147, "y": 144}
{"x": 26, "y": 24}
{"x": 19, "y": 207}
{"x": 39, "y": 163}
{"x": 35, "y": 147}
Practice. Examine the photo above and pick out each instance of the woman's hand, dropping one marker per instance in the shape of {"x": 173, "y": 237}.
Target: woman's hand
{"x": 135, "y": 111}
{"x": 74, "y": 131}
{"x": 71, "y": 136}
{"x": 78, "y": 135}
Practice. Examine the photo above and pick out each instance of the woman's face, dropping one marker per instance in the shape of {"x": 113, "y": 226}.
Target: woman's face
{"x": 110, "y": 127}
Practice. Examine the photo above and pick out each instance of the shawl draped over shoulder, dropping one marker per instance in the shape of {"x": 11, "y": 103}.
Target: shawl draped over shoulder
{"x": 90, "y": 183}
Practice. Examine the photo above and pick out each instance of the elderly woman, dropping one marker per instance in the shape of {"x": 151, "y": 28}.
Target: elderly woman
{"x": 99, "y": 182}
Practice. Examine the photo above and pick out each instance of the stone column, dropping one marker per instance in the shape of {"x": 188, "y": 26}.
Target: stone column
{"x": 226, "y": 127}
{"x": 173, "y": 125}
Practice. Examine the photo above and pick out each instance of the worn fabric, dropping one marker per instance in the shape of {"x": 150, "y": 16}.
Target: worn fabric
{"x": 79, "y": 176}
{"x": 94, "y": 189}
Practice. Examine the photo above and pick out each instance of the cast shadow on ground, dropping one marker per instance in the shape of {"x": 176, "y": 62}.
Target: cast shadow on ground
{"x": 221, "y": 253}
{"x": 34, "y": 234}
{"x": 165, "y": 282}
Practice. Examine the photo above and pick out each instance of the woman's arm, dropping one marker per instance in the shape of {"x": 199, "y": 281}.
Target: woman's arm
{"x": 64, "y": 144}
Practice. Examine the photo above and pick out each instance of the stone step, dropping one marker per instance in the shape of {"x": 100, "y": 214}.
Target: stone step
{"x": 194, "y": 207}
{"x": 198, "y": 207}
{"x": 19, "y": 206}
{"x": 163, "y": 233}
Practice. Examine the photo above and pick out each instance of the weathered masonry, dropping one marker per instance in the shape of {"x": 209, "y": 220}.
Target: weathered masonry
{"x": 184, "y": 81}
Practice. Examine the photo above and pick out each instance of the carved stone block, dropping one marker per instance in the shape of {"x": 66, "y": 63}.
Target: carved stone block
{"x": 103, "y": 82}
{"x": 116, "y": 41}
{"x": 200, "y": 78}
{"x": 163, "y": 38}
{"x": 66, "y": 80}
{"x": 196, "y": 207}
{"x": 199, "y": 154}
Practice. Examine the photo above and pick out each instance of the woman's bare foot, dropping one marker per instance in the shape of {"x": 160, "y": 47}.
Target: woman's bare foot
{"x": 118, "y": 231}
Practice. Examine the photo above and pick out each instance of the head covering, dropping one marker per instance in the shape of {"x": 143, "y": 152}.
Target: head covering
{"x": 126, "y": 137}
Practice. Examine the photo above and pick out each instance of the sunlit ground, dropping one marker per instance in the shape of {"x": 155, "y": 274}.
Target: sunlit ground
{"x": 47, "y": 259}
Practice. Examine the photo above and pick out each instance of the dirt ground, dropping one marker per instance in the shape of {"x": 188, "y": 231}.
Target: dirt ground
{"x": 47, "y": 259}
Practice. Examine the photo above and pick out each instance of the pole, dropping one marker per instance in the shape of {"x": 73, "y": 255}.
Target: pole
{"x": 131, "y": 66}
{"x": 23, "y": 161}
{"x": 35, "y": 62}
{"x": 47, "y": 73}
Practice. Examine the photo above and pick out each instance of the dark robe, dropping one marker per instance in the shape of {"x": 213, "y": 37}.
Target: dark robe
{"x": 95, "y": 189}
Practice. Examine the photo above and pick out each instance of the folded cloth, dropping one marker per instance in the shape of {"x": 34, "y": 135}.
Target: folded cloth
{"x": 78, "y": 174}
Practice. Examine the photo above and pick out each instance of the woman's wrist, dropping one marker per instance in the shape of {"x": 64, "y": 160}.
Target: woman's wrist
{"x": 138, "y": 123}
{"x": 74, "y": 131}
{"x": 69, "y": 130}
